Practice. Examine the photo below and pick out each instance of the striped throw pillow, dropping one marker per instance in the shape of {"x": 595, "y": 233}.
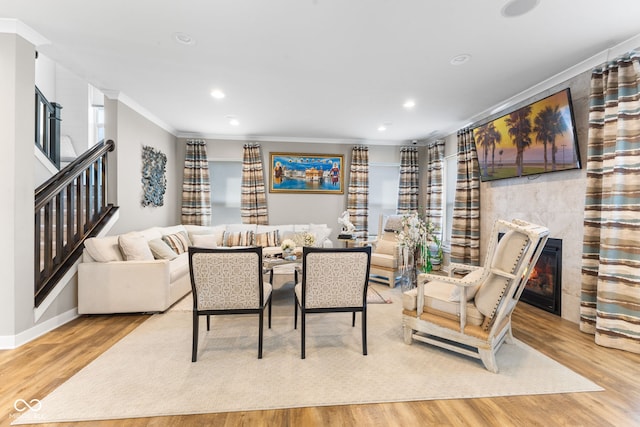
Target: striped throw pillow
{"x": 179, "y": 242}
{"x": 270, "y": 238}
{"x": 237, "y": 238}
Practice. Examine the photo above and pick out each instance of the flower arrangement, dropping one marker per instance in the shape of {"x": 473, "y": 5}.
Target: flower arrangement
{"x": 414, "y": 237}
{"x": 305, "y": 239}
{"x": 288, "y": 245}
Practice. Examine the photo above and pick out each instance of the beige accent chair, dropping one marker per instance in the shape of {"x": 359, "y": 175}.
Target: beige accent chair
{"x": 228, "y": 281}
{"x": 385, "y": 258}
{"x": 333, "y": 280}
{"x": 471, "y": 315}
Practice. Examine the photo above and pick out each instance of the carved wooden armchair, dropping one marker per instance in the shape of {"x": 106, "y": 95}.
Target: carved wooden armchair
{"x": 471, "y": 315}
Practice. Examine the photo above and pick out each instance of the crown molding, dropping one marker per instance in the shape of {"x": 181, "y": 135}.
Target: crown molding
{"x": 120, "y": 96}
{"x": 14, "y": 26}
{"x": 293, "y": 139}
{"x": 581, "y": 67}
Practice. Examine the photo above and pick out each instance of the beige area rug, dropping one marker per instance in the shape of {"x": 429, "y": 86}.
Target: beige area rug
{"x": 149, "y": 372}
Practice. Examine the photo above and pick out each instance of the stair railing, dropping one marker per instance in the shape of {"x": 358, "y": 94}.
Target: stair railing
{"x": 69, "y": 207}
{"x": 47, "y": 135}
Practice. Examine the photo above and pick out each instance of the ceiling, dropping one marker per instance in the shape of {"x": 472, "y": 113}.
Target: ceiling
{"x": 321, "y": 70}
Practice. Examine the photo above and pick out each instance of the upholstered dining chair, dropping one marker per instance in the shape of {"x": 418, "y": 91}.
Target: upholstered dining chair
{"x": 471, "y": 314}
{"x": 333, "y": 280}
{"x": 228, "y": 281}
{"x": 385, "y": 257}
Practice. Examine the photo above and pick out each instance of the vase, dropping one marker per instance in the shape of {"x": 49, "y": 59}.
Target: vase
{"x": 409, "y": 279}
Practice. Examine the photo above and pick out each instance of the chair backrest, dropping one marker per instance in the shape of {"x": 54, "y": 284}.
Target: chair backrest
{"x": 226, "y": 279}
{"x": 335, "y": 277}
{"x": 508, "y": 265}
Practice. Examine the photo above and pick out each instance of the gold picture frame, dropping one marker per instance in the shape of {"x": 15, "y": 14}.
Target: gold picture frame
{"x": 306, "y": 173}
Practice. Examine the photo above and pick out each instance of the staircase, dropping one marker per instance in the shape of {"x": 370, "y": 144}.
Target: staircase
{"x": 69, "y": 208}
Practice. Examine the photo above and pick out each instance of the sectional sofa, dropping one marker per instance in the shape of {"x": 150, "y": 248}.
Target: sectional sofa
{"x": 148, "y": 270}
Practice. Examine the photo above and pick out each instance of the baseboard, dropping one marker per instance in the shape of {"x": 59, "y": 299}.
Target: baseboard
{"x": 9, "y": 342}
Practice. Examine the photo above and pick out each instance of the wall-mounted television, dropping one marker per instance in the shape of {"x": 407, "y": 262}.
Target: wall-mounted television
{"x": 537, "y": 138}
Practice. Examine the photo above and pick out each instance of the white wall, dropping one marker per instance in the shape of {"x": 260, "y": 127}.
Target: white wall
{"x": 16, "y": 183}
{"x": 132, "y": 132}
{"x": 72, "y": 93}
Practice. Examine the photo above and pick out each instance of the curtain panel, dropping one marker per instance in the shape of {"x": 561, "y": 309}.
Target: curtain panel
{"x": 409, "y": 181}
{"x": 610, "y": 296}
{"x": 196, "y": 188}
{"x": 433, "y": 186}
{"x": 465, "y": 231}
{"x": 358, "y": 195}
{"x": 253, "y": 205}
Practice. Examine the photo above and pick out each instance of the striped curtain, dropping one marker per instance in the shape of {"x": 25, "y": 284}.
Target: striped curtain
{"x": 433, "y": 186}
{"x": 409, "y": 180}
{"x": 610, "y": 297}
{"x": 253, "y": 206}
{"x": 465, "y": 231}
{"x": 358, "y": 196}
{"x": 196, "y": 189}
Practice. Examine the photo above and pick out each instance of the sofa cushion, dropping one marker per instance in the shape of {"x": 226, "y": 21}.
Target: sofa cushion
{"x": 161, "y": 250}
{"x": 267, "y": 238}
{"x": 152, "y": 233}
{"x": 134, "y": 247}
{"x": 178, "y": 242}
{"x": 238, "y": 238}
{"x": 241, "y": 227}
{"x": 103, "y": 249}
{"x": 205, "y": 240}
{"x": 178, "y": 267}
{"x": 217, "y": 230}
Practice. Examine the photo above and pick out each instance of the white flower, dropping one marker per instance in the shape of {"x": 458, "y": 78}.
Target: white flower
{"x": 287, "y": 244}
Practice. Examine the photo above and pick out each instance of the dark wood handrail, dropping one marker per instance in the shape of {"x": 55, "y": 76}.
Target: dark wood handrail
{"x": 69, "y": 208}
{"x": 66, "y": 175}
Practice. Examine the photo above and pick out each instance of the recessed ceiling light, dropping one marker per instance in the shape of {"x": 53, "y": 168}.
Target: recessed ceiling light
{"x": 233, "y": 120}
{"x": 515, "y": 8}
{"x": 382, "y": 128}
{"x": 460, "y": 59}
{"x": 409, "y": 104}
{"x": 217, "y": 94}
{"x": 184, "y": 38}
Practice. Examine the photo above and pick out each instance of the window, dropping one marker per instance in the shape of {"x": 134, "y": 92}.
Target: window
{"x": 450, "y": 175}
{"x": 383, "y": 192}
{"x": 226, "y": 190}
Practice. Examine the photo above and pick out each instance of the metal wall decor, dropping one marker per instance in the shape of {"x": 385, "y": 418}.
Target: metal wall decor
{"x": 154, "y": 181}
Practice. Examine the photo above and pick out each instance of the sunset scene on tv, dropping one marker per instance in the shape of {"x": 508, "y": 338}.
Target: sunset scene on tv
{"x": 534, "y": 139}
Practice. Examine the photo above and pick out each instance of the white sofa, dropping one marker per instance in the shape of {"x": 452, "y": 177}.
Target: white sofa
{"x": 148, "y": 270}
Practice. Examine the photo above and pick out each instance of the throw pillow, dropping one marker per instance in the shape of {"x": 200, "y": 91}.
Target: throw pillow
{"x": 208, "y": 241}
{"x": 394, "y": 223}
{"x": 178, "y": 242}
{"x": 134, "y": 247}
{"x": 237, "y": 238}
{"x": 321, "y": 232}
{"x": 103, "y": 249}
{"x": 266, "y": 239}
{"x": 161, "y": 250}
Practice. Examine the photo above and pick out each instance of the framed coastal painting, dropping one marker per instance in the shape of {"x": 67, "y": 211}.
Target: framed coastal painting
{"x": 306, "y": 173}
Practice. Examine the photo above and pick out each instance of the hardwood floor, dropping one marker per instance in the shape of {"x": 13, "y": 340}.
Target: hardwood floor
{"x": 37, "y": 368}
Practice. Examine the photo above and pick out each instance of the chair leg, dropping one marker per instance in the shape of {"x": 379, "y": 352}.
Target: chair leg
{"x": 270, "y": 311}
{"x": 260, "y": 330}
{"x": 295, "y": 312}
{"x": 194, "y": 344}
{"x": 364, "y": 330}
{"x": 303, "y": 322}
{"x": 353, "y": 319}
{"x": 208, "y": 322}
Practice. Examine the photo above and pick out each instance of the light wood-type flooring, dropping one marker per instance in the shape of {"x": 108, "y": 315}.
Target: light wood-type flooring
{"x": 37, "y": 368}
